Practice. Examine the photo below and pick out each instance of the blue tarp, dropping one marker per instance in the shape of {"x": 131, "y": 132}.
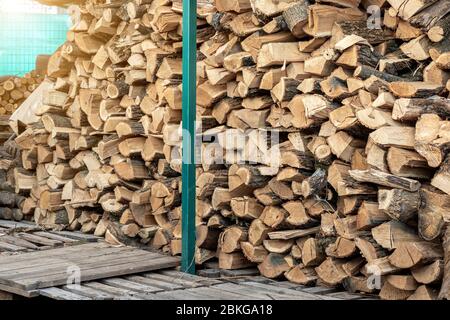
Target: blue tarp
{"x": 24, "y": 36}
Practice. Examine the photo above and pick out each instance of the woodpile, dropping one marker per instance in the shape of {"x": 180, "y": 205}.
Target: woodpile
{"x": 354, "y": 191}
{"x": 14, "y": 90}
{"x": 11, "y": 204}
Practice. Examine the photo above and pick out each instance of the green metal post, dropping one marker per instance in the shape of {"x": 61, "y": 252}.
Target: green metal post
{"x": 189, "y": 110}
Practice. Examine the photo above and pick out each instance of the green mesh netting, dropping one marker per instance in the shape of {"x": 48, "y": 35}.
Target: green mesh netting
{"x": 24, "y": 36}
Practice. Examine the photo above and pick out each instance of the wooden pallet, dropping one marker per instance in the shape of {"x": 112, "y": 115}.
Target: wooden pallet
{"x": 20, "y": 237}
{"x": 45, "y": 272}
{"x": 174, "y": 285}
{"x": 252, "y": 274}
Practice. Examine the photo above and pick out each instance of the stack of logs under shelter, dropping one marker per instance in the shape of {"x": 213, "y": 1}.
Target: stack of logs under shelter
{"x": 361, "y": 193}
{"x": 14, "y": 90}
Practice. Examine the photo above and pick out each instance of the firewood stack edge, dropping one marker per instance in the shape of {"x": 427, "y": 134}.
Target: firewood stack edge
{"x": 359, "y": 195}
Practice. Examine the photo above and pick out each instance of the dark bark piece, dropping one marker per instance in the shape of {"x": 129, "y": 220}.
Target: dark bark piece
{"x": 445, "y": 288}
{"x": 428, "y": 17}
{"x": 365, "y": 72}
{"x": 360, "y": 28}
{"x": 411, "y": 109}
{"x": 359, "y": 55}
{"x": 207, "y": 238}
{"x": 415, "y": 89}
{"x": 10, "y": 199}
{"x": 315, "y": 184}
{"x": 384, "y": 179}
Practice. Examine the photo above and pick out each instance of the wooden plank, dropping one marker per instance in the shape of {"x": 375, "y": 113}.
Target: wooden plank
{"x": 345, "y": 295}
{"x": 18, "y": 263}
{"x": 319, "y": 290}
{"x": 11, "y": 247}
{"x": 60, "y": 294}
{"x": 251, "y": 293}
{"x": 211, "y": 265}
{"x": 20, "y": 292}
{"x": 290, "y": 285}
{"x": 210, "y": 293}
{"x": 239, "y": 272}
{"x": 131, "y": 285}
{"x": 253, "y": 278}
{"x": 59, "y": 252}
{"x": 286, "y": 284}
{"x": 192, "y": 294}
{"x": 94, "y": 260}
{"x": 155, "y": 282}
{"x": 117, "y": 293}
{"x": 275, "y": 289}
{"x": 181, "y": 295}
{"x": 19, "y": 242}
{"x": 209, "y": 273}
{"x": 185, "y": 283}
{"x": 39, "y": 240}
{"x": 6, "y": 296}
{"x": 101, "y": 272}
{"x": 186, "y": 276}
{"x": 52, "y": 267}
{"x": 54, "y": 237}
{"x": 88, "y": 292}
{"x": 155, "y": 296}
{"x": 77, "y": 236}
{"x": 16, "y": 224}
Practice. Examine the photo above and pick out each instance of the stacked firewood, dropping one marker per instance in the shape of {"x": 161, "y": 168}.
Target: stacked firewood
{"x": 324, "y": 137}
{"x": 14, "y": 90}
{"x": 11, "y": 204}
